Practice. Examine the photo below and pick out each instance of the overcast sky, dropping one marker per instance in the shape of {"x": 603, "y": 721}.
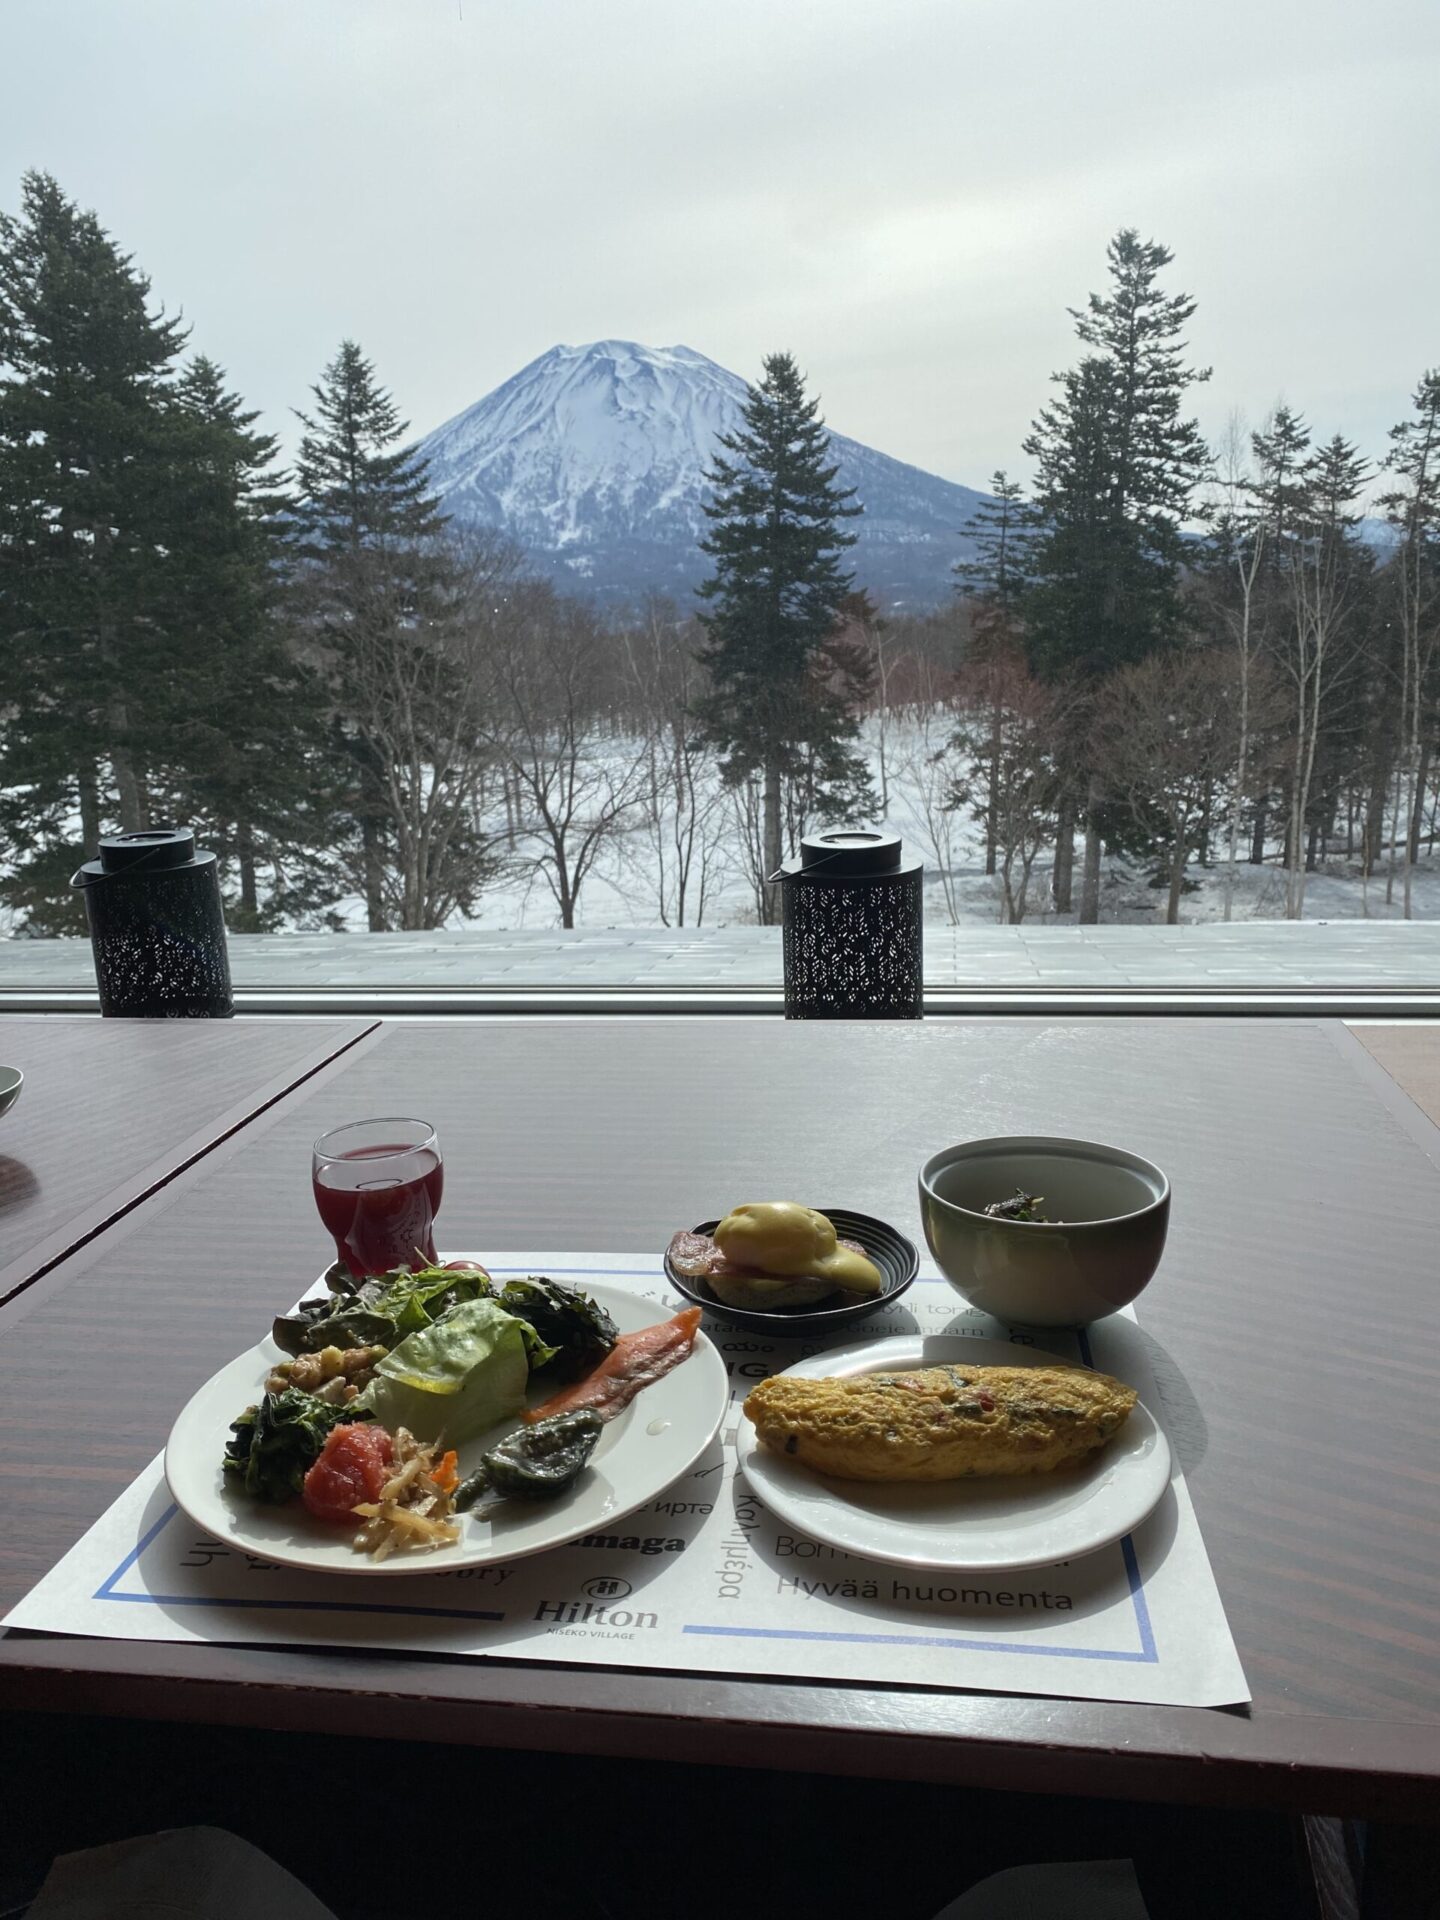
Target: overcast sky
{"x": 907, "y": 193}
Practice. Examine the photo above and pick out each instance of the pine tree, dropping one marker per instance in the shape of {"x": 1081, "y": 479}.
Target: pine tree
{"x": 402, "y": 612}
{"x": 1320, "y": 588}
{"x": 1281, "y": 491}
{"x": 1231, "y": 570}
{"x": 359, "y": 489}
{"x": 366, "y": 532}
{"x": 250, "y": 753}
{"x": 1412, "y": 507}
{"x": 94, "y": 549}
{"x": 783, "y": 686}
{"x": 995, "y": 578}
{"x": 996, "y": 573}
{"x": 1117, "y": 467}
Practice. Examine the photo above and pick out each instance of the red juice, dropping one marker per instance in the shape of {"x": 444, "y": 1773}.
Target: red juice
{"x": 381, "y": 1217}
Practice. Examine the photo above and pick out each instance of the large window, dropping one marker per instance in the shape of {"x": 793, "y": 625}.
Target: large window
{"x": 504, "y": 474}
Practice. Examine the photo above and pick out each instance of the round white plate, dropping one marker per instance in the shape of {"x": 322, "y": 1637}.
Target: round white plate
{"x": 659, "y": 1435}
{"x": 965, "y": 1526}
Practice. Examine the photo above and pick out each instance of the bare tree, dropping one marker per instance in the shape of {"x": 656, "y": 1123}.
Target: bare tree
{"x": 681, "y": 837}
{"x": 1016, "y": 779}
{"x": 1316, "y": 578}
{"x": 1231, "y": 592}
{"x": 1166, "y": 732}
{"x": 555, "y": 676}
{"x": 415, "y": 690}
{"x": 745, "y": 806}
{"x": 927, "y": 774}
{"x": 1320, "y": 570}
{"x": 1413, "y": 509}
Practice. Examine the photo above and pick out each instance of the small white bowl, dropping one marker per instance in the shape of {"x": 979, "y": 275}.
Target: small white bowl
{"x": 11, "y": 1081}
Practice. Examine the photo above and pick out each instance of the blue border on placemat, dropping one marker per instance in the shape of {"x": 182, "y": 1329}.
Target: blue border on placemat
{"x": 1146, "y": 1655}
{"x": 106, "y": 1591}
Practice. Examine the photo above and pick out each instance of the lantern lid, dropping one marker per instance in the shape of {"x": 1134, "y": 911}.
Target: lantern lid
{"x": 848, "y": 853}
{"x": 153, "y": 850}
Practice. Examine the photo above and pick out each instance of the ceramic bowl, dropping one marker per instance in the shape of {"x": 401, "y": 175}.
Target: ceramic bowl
{"x": 11, "y": 1081}
{"x": 897, "y": 1258}
{"x": 1110, "y": 1210}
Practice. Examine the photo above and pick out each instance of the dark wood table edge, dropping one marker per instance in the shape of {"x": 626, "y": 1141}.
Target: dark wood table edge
{"x": 20, "y": 1275}
{"x": 1096, "y": 1749}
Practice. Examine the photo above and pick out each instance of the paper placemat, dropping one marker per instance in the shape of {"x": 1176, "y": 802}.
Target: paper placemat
{"x": 704, "y": 1579}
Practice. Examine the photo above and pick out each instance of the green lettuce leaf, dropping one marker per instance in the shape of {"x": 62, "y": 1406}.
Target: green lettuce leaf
{"x": 456, "y": 1377}
{"x": 416, "y": 1300}
{"x": 378, "y": 1312}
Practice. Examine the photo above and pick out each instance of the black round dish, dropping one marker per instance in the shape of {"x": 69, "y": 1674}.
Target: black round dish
{"x": 893, "y": 1254}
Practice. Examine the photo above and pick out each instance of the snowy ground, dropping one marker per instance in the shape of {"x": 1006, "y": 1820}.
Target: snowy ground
{"x": 621, "y": 892}
{"x": 957, "y": 890}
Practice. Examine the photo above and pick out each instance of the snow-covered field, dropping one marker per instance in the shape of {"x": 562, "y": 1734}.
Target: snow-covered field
{"x": 621, "y": 891}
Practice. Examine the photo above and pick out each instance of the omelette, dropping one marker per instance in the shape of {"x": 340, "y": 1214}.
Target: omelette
{"x": 940, "y": 1423}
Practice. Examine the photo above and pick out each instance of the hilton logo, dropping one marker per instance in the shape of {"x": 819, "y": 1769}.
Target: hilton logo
{"x": 607, "y": 1589}
{"x": 587, "y": 1613}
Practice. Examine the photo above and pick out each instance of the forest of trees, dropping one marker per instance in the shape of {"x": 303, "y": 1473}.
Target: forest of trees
{"x": 1176, "y": 650}
{"x": 1160, "y": 652}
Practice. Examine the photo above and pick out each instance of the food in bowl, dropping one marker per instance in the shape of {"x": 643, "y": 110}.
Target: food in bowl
{"x": 940, "y": 1423}
{"x": 1021, "y": 1206}
{"x": 767, "y": 1256}
{"x": 1106, "y": 1213}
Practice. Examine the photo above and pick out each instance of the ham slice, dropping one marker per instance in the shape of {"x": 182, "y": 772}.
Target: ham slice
{"x": 634, "y": 1362}
{"x": 695, "y": 1256}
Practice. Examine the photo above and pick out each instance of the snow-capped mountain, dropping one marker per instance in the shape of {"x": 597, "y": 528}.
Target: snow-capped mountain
{"x": 594, "y": 458}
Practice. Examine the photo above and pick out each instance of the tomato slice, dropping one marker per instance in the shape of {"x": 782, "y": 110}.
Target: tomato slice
{"x": 353, "y": 1466}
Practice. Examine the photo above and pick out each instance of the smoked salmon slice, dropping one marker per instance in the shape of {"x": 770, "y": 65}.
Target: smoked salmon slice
{"x": 635, "y": 1360}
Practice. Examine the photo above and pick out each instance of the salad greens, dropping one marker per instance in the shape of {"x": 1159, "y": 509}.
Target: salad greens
{"x": 576, "y": 1328}
{"x": 379, "y": 1312}
{"x": 573, "y": 1329}
{"x": 458, "y": 1375}
{"x": 275, "y": 1443}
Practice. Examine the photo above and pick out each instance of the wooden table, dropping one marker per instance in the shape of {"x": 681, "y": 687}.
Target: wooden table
{"x": 112, "y": 1109}
{"x": 1293, "y": 1327}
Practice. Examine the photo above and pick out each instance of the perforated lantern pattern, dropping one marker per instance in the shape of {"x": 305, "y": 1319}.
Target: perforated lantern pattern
{"x": 854, "y": 945}
{"x": 158, "y": 935}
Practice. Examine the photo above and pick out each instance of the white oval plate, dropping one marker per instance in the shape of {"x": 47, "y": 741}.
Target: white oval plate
{"x": 659, "y": 1435}
{"x": 964, "y": 1526}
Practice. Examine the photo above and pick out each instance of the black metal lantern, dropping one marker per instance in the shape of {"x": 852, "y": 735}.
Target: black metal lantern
{"x": 854, "y": 928}
{"x": 157, "y": 927}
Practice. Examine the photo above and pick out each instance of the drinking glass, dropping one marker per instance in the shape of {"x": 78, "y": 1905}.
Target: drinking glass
{"x": 377, "y": 1186}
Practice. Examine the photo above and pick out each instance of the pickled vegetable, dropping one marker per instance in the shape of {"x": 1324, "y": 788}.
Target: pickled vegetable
{"x": 536, "y": 1463}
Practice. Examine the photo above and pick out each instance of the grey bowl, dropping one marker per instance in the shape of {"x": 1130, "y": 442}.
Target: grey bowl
{"x": 11, "y": 1081}
{"x": 1111, "y": 1210}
